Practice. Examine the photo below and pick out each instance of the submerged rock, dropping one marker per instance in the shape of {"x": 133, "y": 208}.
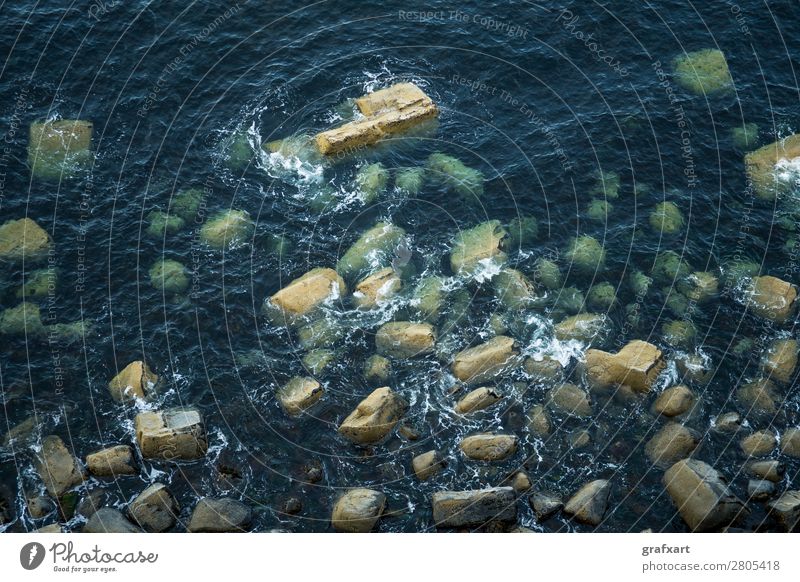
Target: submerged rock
{"x": 428, "y": 298}
{"x": 371, "y": 181}
{"x": 772, "y": 298}
{"x": 374, "y": 248}
{"x": 169, "y": 276}
{"x": 171, "y": 434}
{"x": 667, "y": 218}
{"x": 475, "y": 508}
{"x": 745, "y": 136}
{"x": 570, "y": 399}
{"x": 780, "y": 360}
{"x": 602, "y": 297}
{"x": 590, "y": 503}
{"x": 109, "y": 520}
{"x": 427, "y": 464}
{"x": 489, "y": 447}
{"x": 701, "y": 496}
{"x": 112, "y": 462}
{"x": 547, "y": 274}
{"x": 377, "y": 370}
{"x": 699, "y": 287}
{"x": 374, "y": 417}
{"x": 759, "y": 398}
{"x": 485, "y": 361}
{"x": 299, "y": 394}
{"x": 187, "y": 203}
{"x": 409, "y": 180}
{"x": 376, "y": 289}
{"x": 769, "y": 168}
{"x": 636, "y": 365}
{"x": 586, "y": 255}
{"x": 669, "y": 267}
{"x": 38, "y": 284}
{"x": 318, "y": 361}
{"x": 322, "y": 333}
{"x": 790, "y": 442}
{"x": 522, "y": 231}
{"x": 759, "y": 443}
{"x": 358, "y": 510}
{"x": 135, "y": 381}
{"x": 513, "y": 290}
{"x": 589, "y": 328}
{"x": 703, "y": 72}
{"x": 23, "y": 239}
{"x": 57, "y": 467}
{"x": 59, "y": 149}
{"x": 771, "y": 470}
{"x": 599, "y": 210}
{"x": 405, "y": 339}
{"x": 160, "y": 224}
{"x": 23, "y": 320}
{"x": 544, "y": 369}
{"x": 227, "y": 229}
{"x": 672, "y": 443}
{"x": 154, "y": 509}
{"x": 479, "y": 246}
{"x": 539, "y": 421}
{"x": 455, "y": 175}
{"x": 304, "y": 295}
{"x": 679, "y": 333}
{"x": 760, "y": 489}
{"x": 219, "y": 515}
{"x": 478, "y": 399}
{"x": 545, "y": 504}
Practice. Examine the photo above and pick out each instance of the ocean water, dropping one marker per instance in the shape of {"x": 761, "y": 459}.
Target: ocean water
{"x": 540, "y": 97}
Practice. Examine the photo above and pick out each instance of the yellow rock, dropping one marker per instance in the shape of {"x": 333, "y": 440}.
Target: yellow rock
{"x": 23, "y": 239}
{"x": 377, "y": 288}
{"x": 772, "y": 298}
{"x": 764, "y": 166}
{"x": 636, "y": 365}
{"x": 374, "y": 417}
{"x": 299, "y": 394}
{"x": 306, "y": 293}
{"x": 136, "y": 380}
{"x": 485, "y": 361}
{"x": 780, "y": 360}
{"x": 172, "y": 434}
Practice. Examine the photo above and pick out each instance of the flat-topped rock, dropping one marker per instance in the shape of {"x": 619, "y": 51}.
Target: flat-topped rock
{"x": 358, "y": 510}
{"x": 377, "y": 289}
{"x": 59, "y": 149}
{"x": 772, "y": 298}
{"x": 474, "y": 508}
{"x": 219, "y": 515}
{"x": 299, "y": 394}
{"x": 23, "y": 239}
{"x": 171, "y": 434}
{"x": 427, "y": 464}
{"x": 136, "y": 380}
{"x": 701, "y": 495}
{"x": 570, "y": 399}
{"x": 374, "y": 417}
{"x": 636, "y": 365}
{"x": 305, "y": 294}
{"x": 485, "y": 361}
{"x": 154, "y": 509}
{"x": 112, "y": 462}
{"x": 489, "y": 447}
{"x": 786, "y": 509}
{"x": 590, "y": 502}
{"x": 671, "y": 443}
{"x": 478, "y": 399}
{"x": 405, "y": 339}
{"x": 674, "y": 401}
{"x": 57, "y": 467}
{"x": 780, "y": 360}
{"x": 109, "y": 520}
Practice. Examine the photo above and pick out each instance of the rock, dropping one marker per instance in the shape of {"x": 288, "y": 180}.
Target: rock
{"x": 154, "y": 509}
{"x": 520, "y": 482}
{"x": 23, "y": 320}
{"x": 388, "y": 111}
{"x": 325, "y": 332}
{"x": 672, "y": 443}
{"x": 569, "y": 300}
{"x": 728, "y": 422}
{"x": 786, "y": 510}
{"x": 428, "y": 298}
{"x": 374, "y": 417}
{"x": 674, "y": 401}
{"x": 52, "y": 528}
{"x": 405, "y": 339}
{"x": 292, "y": 506}
{"x": 478, "y": 247}
{"x": 703, "y": 72}
{"x": 453, "y": 509}
{"x": 780, "y": 360}
{"x": 669, "y": 268}
{"x": 545, "y": 504}
{"x": 588, "y": 328}
{"x": 545, "y": 370}
{"x": 539, "y": 421}
{"x": 599, "y": 210}
{"x": 376, "y": 289}
{"x": 513, "y": 290}
{"x": 455, "y": 175}
{"x": 522, "y": 231}
{"x": 589, "y": 504}
{"x": 602, "y": 297}
{"x": 489, "y": 447}
{"x": 39, "y": 506}
{"x": 759, "y": 398}
{"x": 304, "y": 295}
{"x": 758, "y": 444}
{"x": 570, "y": 399}
{"x": 699, "y": 287}
{"x": 408, "y": 181}
{"x": 59, "y": 149}
{"x": 636, "y": 365}
{"x": 21, "y": 434}
{"x": 171, "y": 434}
{"x": 374, "y": 248}
{"x": 547, "y": 274}
{"x": 428, "y": 464}
{"x": 701, "y": 496}
{"x": 161, "y": 224}
{"x": 377, "y": 370}
{"x": 695, "y": 368}
{"x": 56, "y": 466}
{"x": 790, "y": 442}
{"x": 135, "y": 381}
{"x": 371, "y": 181}
{"x": 112, "y": 462}
{"x": 317, "y": 361}
{"x": 768, "y": 168}
{"x": 772, "y": 298}
{"x": 679, "y": 334}
{"x": 169, "y": 276}
{"x": 227, "y": 229}
{"x": 579, "y": 438}
{"x": 109, "y": 520}
{"x": 771, "y": 470}
{"x": 586, "y": 255}
{"x": 23, "y": 240}
{"x": 38, "y": 284}
{"x": 667, "y": 218}
{"x": 760, "y": 489}
{"x": 358, "y": 510}
{"x": 478, "y": 399}
{"x": 486, "y": 361}
{"x": 745, "y": 137}
{"x": 299, "y": 394}
{"x": 219, "y": 515}
{"x": 187, "y": 203}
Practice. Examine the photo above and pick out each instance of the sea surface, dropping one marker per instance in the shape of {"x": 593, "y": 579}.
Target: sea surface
{"x": 540, "y": 97}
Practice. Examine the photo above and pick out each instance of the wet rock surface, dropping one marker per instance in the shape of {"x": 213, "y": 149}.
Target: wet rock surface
{"x": 358, "y": 510}
{"x": 219, "y": 515}
{"x": 453, "y": 509}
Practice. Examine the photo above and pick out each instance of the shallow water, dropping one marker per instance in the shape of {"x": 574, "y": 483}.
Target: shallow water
{"x": 533, "y": 108}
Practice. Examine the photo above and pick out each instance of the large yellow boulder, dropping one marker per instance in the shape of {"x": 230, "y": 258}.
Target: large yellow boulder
{"x": 305, "y": 294}
{"x": 636, "y": 365}
{"x": 770, "y": 168}
{"x": 772, "y": 298}
{"x": 23, "y": 239}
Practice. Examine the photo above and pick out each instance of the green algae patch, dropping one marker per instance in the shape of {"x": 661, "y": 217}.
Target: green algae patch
{"x": 23, "y": 240}
{"x": 160, "y": 224}
{"x": 24, "y": 320}
{"x": 238, "y": 150}
{"x": 599, "y": 210}
{"x": 601, "y": 297}
{"x": 745, "y": 137}
{"x": 703, "y": 72}
{"x": 59, "y": 149}
{"x": 586, "y": 254}
{"x": 371, "y": 182}
{"x": 169, "y": 276}
{"x": 408, "y": 181}
{"x": 606, "y": 186}
{"x": 375, "y": 248}
{"x": 667, "y": 218}
{"x": 669, "y": 267}
{"x": 478, "y": 246}
{"x": 679, "y": 333}
{"x": 227, "y": 229}
{"x": 455, "y": 175}
{"x": 186, "y": 204}
{"x": 522, "y": 232}
{"x": 547, "y": 274}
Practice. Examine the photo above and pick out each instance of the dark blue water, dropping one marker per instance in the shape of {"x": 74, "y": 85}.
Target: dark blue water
{"x": 524, "y": 96}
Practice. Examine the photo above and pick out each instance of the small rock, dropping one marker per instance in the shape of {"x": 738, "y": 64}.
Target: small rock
{"x": 453, "y": 509}
{"x": 589, "y": 504}
{"x": 358, "y": 510}
{"x": 171, "y": 434}
{"x": 405, "y": 339}
{"x": 23, "y": 239}
{"x": 546, "y": 504}
{"x": 111, "y": 462}
{"x": 570, "y": 399}
{"x": 760, "y": 398}
{"x": 489, "y": 447}
{"x": 701, "y": 496}
{"x": 374, "y": 417}
{"x": 545, "y": 370}
{"x": 588, "y": 328}
{"x": 539, "y": 421}
{"x": 377, "y": 370}
{"x": 56, "y": 466}
{"x": 304, "y": 295}
{"x": 292, "y": 506}
{"x": 373, "y": 248}
{"x": 39, "y": 506}
{"x": 579, "y": 438}
{"x": 758, "y": 444}
{"x": 109, "y": 520}
{"x": 219, "y": 515}
{"x": 478, "y": 399}
{"x": 227, "y": 229}
{"x": 52, "y": 528}
{"x": 486, "y": 361}
{"x": 376, "y": 289}
{"x": 760, "y": 489}
{"x": 780, "y": 360}
{"x": 772, "y": 298}
{"x": 299, "y": 394}
{"x": 771, "y": 470}
{"x": 674, "y": 401}
{"x": 476, "y": 246}
{"x": 671, "y": 443}
{"x": 154, "y": 509}
{"x": 427, "y": 464}
{"x": 520, "y": 482}
{"x": 790, "y": 442}
{"x": 786, "y": 509}
{"x": 728, "y": 422}
{"x": 136, "y": 380}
